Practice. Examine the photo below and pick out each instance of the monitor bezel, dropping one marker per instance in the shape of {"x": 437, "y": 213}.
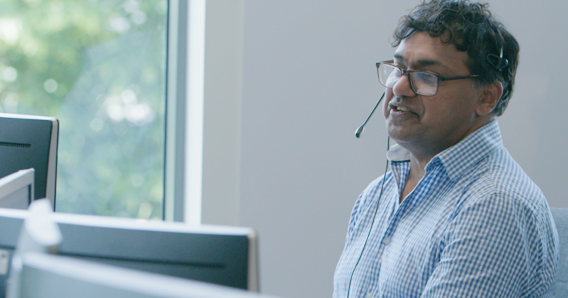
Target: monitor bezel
{"x": 44, "y": 274}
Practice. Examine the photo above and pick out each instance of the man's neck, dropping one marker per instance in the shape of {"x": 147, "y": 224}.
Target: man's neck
{"x": 417, "y": 171}
{"x": 421, "y": 154}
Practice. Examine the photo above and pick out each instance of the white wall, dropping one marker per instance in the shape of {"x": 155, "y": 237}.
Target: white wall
{"x": 309, "y": 81}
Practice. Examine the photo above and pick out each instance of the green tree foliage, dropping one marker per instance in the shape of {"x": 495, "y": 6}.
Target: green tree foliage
{"x": 99, "y": 67}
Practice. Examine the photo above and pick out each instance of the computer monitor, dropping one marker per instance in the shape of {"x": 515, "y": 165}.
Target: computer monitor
{"x": 17, "y": 189}
{"x": 30, "y": 142}
{"x": 215, "y": 254}
{"x": 44, "y": 275}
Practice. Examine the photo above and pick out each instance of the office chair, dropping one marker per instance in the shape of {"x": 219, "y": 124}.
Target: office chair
{"x": 559, "y": 288}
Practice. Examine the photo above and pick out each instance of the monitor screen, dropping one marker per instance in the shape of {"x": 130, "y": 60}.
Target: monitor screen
{"x": 30, "y": 142}
{"x": 44, "y": 275}
{"x": 215, "y": 254}
{"x": 16, "y": 190}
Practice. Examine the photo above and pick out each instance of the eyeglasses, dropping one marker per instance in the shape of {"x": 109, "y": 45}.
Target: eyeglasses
{"x": 421, "y": 82}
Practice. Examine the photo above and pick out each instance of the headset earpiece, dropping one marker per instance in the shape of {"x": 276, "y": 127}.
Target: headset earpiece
{"x": 498, "y": 63}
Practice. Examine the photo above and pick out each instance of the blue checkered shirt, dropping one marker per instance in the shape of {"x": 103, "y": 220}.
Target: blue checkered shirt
{"x": 474, "y": 226}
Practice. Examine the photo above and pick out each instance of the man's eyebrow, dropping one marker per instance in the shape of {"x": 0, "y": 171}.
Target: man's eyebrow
{"x": 426, "y": 62}
{"x": 421, "y": 62}
{"x": 398, "y": 56}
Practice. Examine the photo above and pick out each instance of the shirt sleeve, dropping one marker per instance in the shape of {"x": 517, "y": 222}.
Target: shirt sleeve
{"x": 496, "y": 247}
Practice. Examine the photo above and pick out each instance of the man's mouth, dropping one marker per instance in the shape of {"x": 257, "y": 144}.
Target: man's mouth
{"x": 395, "y": 108}
{"x": 401, "y": 109}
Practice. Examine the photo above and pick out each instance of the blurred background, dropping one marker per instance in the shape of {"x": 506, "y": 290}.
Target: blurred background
{"x": 99, "y": 67}
{"x": 287, "y": 82}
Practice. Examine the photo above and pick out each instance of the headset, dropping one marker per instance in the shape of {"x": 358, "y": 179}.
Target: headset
{"x": 357, "y": 135}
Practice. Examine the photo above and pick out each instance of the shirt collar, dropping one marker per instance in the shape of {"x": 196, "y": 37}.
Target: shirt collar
{"x": 398, "y": 154}
{"x": 463, "y": 155}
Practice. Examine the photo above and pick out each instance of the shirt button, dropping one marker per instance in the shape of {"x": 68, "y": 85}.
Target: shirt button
{"x": 387, "y": 240}
{"x": 369, "y": 295}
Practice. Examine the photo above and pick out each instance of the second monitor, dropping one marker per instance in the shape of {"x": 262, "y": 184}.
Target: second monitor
{"x": 17, "y": 189}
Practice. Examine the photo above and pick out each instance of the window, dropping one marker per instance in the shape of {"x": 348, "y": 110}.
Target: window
{"x": 99, "y": 66}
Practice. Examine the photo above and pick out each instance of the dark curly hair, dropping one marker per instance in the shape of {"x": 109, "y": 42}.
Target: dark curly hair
{"x": 471, "y": 28}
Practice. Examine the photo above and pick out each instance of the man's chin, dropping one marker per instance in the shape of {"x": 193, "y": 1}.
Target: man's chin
{"x": 402, "y": 135}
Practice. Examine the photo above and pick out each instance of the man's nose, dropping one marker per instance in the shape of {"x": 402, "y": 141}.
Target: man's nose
{"x": 403, "y": 88}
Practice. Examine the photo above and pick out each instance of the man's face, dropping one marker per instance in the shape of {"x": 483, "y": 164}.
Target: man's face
{"x": 427, "y": 125}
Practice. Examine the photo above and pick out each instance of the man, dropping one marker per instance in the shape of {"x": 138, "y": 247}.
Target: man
{"x": 456, "y": 216}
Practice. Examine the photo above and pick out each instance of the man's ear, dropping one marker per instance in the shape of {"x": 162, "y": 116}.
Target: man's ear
{"x": 490, "y": 97}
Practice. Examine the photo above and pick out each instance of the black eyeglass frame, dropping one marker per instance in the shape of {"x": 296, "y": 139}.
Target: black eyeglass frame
{"x": 408, "y": 72}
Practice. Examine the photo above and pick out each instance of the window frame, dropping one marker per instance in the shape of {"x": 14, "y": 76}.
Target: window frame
{"x": 203, "y": 111}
